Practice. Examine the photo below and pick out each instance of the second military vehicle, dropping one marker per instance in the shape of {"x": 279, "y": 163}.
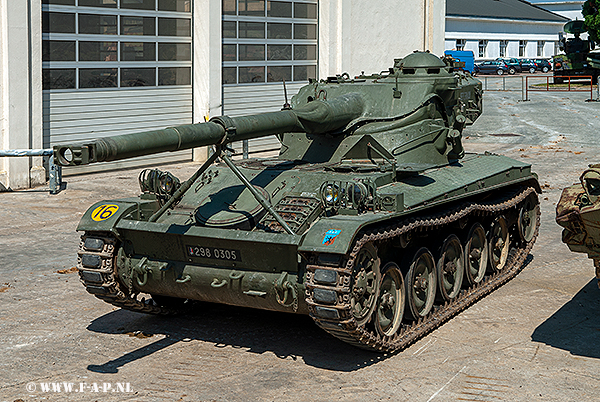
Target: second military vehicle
{"x": 578, "y": 212}
{"x": 373, "y": 219}
{"x": 574, "y": 63}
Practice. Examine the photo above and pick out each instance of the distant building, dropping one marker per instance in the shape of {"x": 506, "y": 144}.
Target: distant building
{"x": 570, "y": 8}
{"x": 502, "y": 28}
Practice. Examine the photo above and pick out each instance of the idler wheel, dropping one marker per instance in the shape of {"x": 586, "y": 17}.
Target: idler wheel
{"x": 450, "y": 268}
{"x": 391, "y": 301}
{"x": 499, "y": 244}
{"x": 421, "y": 284}
{"x": 476, "y": 254}
{"x": 365, "y": 287}
{"x": 528, "y": 214}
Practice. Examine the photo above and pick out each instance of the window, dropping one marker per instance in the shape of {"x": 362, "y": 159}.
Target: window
{"x": 97, "y": 51}
{"x": 460, "y": 44}
{"x": 540, "y": 48}
{"x": 97, "y": 3}
{"x": 139, "y": 51}
{"x": 58, "y": 50}
{"x": 482, "y": 47}
{"x": 58, "y": 78}
{"x": 269, "y": 41}
{"x": 127, "y": 43}
{"x": 503, "y": 45}
{"x": 522, "y": 47}
{"x": 58, "y": 23}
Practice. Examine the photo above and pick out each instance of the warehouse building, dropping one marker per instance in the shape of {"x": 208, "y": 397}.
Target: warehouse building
{"x": 81, "y": 69}
{"x": 502, "y": 28}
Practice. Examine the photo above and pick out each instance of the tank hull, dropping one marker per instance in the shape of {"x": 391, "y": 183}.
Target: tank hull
{"x": 172, "y": 258}
{"x": 372, "y": 220}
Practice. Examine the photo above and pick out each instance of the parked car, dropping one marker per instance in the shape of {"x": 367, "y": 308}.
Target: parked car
{"x": 514, "y": 65}
{"x": 543, "y": 65}
{"x": 491, "y": 67}
{"x": 528, "y": 65}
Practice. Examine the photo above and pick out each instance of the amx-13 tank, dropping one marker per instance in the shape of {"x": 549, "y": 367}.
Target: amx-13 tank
{"x": 578, "y": 212}
{"x": 373, "y": 219}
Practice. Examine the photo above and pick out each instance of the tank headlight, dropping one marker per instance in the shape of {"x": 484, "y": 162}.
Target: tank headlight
{"x": 330, "y": 194}
{"x": 163, "y": 184}
{"x": 358, "y": 192}
{"x": 167, "y": 183}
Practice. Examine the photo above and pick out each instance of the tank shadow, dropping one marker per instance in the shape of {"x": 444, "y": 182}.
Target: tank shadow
{"x": 285, "y": 335}
{"x": 574, "y": 327}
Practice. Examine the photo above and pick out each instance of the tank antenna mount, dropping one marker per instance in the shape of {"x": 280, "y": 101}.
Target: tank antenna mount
{"x": 286, "y": 105}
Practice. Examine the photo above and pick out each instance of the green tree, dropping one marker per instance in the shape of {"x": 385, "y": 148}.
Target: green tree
{"x": 591, "y": 14}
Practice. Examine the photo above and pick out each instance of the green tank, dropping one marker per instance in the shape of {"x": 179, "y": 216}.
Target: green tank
{"x": 372, "y": 220}
{"x": 578, "y": 212}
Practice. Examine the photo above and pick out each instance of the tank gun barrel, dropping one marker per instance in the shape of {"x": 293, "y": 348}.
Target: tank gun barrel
{"x": 316, "y": 117}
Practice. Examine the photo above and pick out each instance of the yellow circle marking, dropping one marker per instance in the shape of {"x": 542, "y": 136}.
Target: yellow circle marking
{"x": 104, "y": 211}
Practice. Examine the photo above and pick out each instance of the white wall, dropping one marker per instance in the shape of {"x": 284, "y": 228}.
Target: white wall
{"x": 357, "y": 36}
{"x": 20, "y": 91}
{"x": 206, "y": 81}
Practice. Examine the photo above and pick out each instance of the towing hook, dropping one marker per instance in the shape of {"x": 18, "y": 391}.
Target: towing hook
{"x": 282, "y": 285}
{"x": 141, "y": 269}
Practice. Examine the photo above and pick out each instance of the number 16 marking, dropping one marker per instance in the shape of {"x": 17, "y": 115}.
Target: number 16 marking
{"x": 104, "y": 211}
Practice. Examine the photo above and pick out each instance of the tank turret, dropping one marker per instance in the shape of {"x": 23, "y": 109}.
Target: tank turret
{"x": 372, "y": 219}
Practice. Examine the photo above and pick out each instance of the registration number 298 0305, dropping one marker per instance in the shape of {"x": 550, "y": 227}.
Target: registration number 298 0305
{"x": 214, "y": 253}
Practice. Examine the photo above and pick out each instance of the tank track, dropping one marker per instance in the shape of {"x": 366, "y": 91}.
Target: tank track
{"x": 95, "y": 262}
{"x": 344, "y": 326}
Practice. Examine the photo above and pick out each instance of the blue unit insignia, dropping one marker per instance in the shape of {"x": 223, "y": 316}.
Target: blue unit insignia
{"x": 330, "y": 236}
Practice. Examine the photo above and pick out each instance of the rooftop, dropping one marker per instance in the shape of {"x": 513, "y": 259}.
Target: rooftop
{"x": 501, "y": 9}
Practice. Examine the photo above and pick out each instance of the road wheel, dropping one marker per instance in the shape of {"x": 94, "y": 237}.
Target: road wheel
{"x": 531, "y": 70}
{"x": 421, "y": 284}
{"x": 530, "y": 209}
{"x": 450, "y": 268}
{"x": 365, "y": 287}
{"x": 512, "y": 71}
{"x": 500, "y": 71}
{"x": 499, "y": 243}
{"x": 545, "y": 69}
{"x": 476, "y": 254}
{"x": 392, "y": 297}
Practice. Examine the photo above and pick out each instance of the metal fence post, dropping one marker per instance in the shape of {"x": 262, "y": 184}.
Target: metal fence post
{"x": 54, "y": 176}
{"x": 245, "y": 149}
{"x": 524, "y": 89}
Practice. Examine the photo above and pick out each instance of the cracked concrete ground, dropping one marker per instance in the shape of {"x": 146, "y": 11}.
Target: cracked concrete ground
{"x": 535, "y": 338}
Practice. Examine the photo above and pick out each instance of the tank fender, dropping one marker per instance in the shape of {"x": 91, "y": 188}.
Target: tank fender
{"x": 535, "y": 183}
{"x": 104, "y": 215}
{"x": 334, "y": 235}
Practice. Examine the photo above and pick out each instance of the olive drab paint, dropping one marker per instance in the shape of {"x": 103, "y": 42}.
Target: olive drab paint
{"x": 361, "y": 220}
